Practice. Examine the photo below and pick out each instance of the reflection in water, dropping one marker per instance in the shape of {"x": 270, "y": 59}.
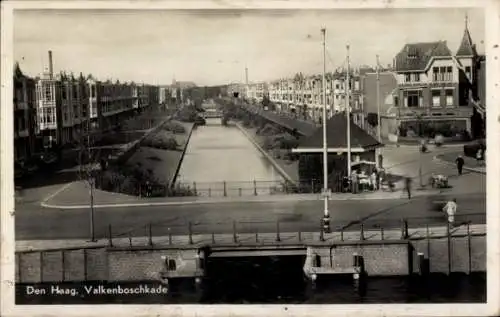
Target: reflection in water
{"x": 217, "y": 153}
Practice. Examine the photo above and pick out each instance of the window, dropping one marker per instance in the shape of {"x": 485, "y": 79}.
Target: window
{"x": 407, "y": 78}
{"x": 435, "y": 73}
{"x": 436, "y": 97}
{"x": 64, "y": 93}
{"x": 449, "y": 98}
{"x": 413, "y": 98}
{"x": 48, "y": 94}
{"x": 467, "y": 71}
{"x": 416, "y": 77}
{"x": 449, "y": 73}
{"x": 356, "y": 85}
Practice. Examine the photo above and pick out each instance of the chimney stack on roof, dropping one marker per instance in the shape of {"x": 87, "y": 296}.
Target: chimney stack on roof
{"x": 51, "y": 66}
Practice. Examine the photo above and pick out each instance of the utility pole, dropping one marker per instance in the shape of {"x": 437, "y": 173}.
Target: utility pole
{"x": 379, "y": 137}
{"x": 348, "y": 114}
{"x": 326, "y": 191}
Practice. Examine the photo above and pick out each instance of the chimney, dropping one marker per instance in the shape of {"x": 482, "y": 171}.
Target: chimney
{"x": 51, "y": 66}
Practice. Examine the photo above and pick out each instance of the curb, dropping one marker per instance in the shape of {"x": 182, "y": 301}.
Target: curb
{"x": 470, "y": 169}
{"x": 269, "y": 199}
{"x": 271, "y": 160}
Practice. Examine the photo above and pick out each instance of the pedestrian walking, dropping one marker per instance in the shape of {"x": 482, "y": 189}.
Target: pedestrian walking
{"x": 460, "y": 164}
{"x": 451, "y": 209}
{"x": 408, "y": 186}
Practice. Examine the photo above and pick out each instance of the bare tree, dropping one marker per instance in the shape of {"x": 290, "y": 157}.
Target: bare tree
{"x": 87, "y": 158}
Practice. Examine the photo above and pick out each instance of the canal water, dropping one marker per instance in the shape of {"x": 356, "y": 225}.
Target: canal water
{"x": 280, "y": 280}
{"x": 218, "y": 154}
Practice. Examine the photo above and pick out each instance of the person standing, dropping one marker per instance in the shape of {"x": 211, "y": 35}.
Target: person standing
{"x": 354, "y": 182}
{"x": 460, "y": 164}
{"x": 479, "y": 156}
{"x": 408, "y": 186}
{"x": 451, "y": 209}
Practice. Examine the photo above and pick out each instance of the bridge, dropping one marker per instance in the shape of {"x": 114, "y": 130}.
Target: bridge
{"x": 211, "y": 113}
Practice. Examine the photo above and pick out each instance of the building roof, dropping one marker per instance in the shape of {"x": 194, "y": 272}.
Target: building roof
{"x": 466, "y": 48}
{"x": 336, "y": 131}
{"x": 416, "y": 56}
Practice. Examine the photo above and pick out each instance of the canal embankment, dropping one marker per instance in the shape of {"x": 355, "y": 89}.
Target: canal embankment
{"x": 155, "y": 159}
{"x": 287, "y": 168}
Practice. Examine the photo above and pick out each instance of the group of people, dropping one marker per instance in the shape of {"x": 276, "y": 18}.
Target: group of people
{"x": 368, "y": 179}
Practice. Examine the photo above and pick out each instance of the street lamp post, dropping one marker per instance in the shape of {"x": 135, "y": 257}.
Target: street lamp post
{"x": 348, "y": 115}
{"x": 379, "y": 134}
{"x": 326, "y": 193}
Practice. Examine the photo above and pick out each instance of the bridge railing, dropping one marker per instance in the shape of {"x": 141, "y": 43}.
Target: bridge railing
{"x": 296, "y": 231}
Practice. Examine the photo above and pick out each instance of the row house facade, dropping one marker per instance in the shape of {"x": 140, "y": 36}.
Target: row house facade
{"x": 436, "y": 89}
{"x": 65, "y": 105}
{"x": 24, "y": 100}
{"x": 304, "y": 94}
{"x": 257, "y": 91}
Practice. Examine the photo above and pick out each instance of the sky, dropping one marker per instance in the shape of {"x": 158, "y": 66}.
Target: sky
{"x": 212, "y": 47}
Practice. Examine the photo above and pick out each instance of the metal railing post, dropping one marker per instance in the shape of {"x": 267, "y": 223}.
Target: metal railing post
{"x": 235, "y": 238}
{"x": 150, "y": 242}
{"x": 225, "y": 189}
{"x": 404, "y": 229}
{"x": 110, "y": 236}
{"x": 278, "y": 231}
{"x": 190, "y": 231}
{"x": 469, "y": 247}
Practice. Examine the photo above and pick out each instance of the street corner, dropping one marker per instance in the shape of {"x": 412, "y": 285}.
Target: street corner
{"x": 70, "y": 194}
{"x": 471, "y": 164}
{"x": 55, "y": 195}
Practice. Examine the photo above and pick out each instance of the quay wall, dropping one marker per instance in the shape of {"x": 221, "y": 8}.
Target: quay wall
{"x": 465, "y": 254}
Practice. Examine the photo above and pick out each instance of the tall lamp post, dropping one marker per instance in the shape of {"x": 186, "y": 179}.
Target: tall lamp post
{"x": 326, "y": 191}
{"x": 379, "y": 135}
{"x": 348, "y": 115}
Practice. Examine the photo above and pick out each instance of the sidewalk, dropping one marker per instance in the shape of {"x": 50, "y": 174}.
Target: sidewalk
{"x": 75, "y": 196}
{"x": 249, "y": 239}
{"x": 470, "y": 163}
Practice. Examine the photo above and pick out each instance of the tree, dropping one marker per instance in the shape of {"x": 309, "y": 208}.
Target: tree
{"x": 88, "y": 160}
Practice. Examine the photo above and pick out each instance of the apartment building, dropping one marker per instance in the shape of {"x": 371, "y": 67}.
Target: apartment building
{"x": 436, "y": 89}
{"x": 256, "y": 91}
{"x": 24, "y": 118}
{"x": 304, "y": 94}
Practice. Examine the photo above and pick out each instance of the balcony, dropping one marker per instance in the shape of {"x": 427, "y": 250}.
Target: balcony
{"x": 21, "y": 105}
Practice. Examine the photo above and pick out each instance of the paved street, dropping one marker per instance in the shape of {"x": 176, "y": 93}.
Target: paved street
{"x": 405, "y": 161}
{"x": 39, "y": 223}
